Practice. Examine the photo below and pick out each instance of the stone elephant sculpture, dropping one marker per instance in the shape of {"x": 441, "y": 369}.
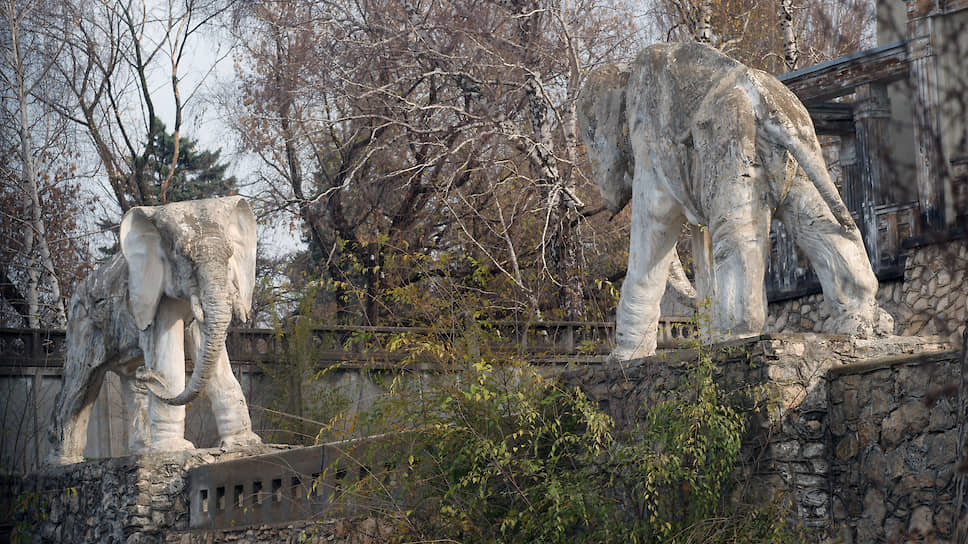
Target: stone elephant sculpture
{"x": 183, "y": 270}
{"x": 688, "y": 134}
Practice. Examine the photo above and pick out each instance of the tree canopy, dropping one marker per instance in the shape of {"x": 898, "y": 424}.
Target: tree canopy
{"x": 415, "y": 148}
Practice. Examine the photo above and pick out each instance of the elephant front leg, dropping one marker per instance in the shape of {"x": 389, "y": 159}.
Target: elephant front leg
{"x": 228, "y": 402}
{"x": 163, "y": 344}
{"x": 656, "y": 221}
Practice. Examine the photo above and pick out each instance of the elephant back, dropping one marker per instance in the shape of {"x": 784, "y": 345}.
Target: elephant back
{"x": 672, "y": 80}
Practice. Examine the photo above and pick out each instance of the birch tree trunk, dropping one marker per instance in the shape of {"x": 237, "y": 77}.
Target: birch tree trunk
{"x": 559, "y": 238}
{"x": 704, "y": 28}
{"x": 790, "y": 50}
{"x": 36, "y": 233}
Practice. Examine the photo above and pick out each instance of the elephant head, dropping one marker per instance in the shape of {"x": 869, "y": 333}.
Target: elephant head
{"x": 603, "y": 124}
{"x": 201, "y": 251}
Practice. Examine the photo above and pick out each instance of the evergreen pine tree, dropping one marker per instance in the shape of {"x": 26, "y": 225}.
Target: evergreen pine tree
{"x": 197, "y": 175}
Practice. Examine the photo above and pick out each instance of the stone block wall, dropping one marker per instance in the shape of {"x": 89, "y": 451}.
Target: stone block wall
{"x": 369, "y": 530}
{"x": 930, "y": 300}
{"x": 895, "y": 441}
{"x": 842, "y": 407}
{"x": 859, "y": 435}
{"x": 146, "y": 500}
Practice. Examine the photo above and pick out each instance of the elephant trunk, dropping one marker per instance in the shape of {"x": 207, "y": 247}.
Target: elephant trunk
{"x": 217, "y": 313}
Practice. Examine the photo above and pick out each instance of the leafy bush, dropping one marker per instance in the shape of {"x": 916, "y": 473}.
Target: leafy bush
{"x": 499, "y": 453}
{"x": 678, "y": 475}
{"x": 502, "y": 455}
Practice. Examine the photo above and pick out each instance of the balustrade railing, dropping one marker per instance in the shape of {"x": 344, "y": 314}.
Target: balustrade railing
{"x": 537, "y": 342}
{"x": 299, "y": 484}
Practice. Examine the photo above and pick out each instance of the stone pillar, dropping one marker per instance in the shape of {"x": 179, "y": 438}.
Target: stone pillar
{"x": 929, "y": 160}
{"x": 872, "y": 118}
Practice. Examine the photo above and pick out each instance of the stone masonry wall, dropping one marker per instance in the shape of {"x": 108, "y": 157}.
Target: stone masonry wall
{"x": 895, "y": 446}
{"x": 369, "y": 530}
{"x": 123, "y": 500}
{"x": 930, "y": 300}
{"x": 856, "y": 437}
{"x": 815, "y": 444}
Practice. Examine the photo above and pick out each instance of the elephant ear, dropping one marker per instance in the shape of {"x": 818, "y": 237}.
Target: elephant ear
{"x": 241, "y": 233}
{"x": 141, "y": 246}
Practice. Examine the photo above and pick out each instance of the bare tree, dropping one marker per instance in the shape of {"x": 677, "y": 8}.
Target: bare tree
{"x": 111, "y": 51}
{"x": 822, "y": 29}
{"x": 27, "y": 58}
{"x": 455, "y": 137}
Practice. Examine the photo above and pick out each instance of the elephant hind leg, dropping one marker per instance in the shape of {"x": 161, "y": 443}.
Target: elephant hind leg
{"x": 735, "y": 192}
{"x": 839, "y": 259}
{"x": 135, "y": 410}
{"x": 72, "y": 412}
{"x": 740, "y": 237}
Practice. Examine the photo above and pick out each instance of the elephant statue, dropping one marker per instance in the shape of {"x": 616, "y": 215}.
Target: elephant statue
{"x": 688, "y": 134}
{"x": 184, "y": 269}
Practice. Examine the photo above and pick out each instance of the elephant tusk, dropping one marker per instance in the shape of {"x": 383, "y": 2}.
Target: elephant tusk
{"x": 197, "y": 309}
{"x": 149, "y": 380}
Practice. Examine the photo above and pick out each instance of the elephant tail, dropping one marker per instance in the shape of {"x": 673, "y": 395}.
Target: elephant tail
{"x": 787, "y": 123}
{"x": 810, "y": 159}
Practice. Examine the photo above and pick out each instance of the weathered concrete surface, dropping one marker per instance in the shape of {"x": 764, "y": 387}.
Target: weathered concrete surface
{"x": 183, "y": 271}
{"x": 689, "y": 135}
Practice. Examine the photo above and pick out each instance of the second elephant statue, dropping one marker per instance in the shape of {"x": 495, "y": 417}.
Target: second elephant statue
{"x": 688, "y": 134}
{"x": 183, "y": 271}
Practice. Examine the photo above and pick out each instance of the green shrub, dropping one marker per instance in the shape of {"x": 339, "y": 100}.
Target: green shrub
{"x": 678, "y": 476}
{"x": 502, "y": 455}
{"x": 499, "y": 453}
